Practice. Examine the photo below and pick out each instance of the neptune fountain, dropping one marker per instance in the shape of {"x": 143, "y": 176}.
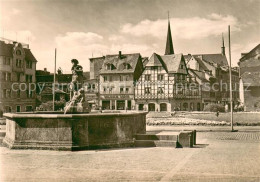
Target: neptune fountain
{"x": 74, "y": 129}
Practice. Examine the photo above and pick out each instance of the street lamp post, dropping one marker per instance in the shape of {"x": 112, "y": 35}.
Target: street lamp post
{"x": 230, "y": 80}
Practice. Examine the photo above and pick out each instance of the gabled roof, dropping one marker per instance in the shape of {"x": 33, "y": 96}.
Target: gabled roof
{"x": 131, "y": 59}
{"x": 218, "y": 59}
{"x": 249, "y": 55}
{"x": 172, "y": 62}
{"x": 202, "y": 66}
{"x": 199, "y": 74}
{"x": 7, "y": 50}
{"x": 154, "y": 60}
{"x": 29, "y": 55}
{"x": 251, "y": 78}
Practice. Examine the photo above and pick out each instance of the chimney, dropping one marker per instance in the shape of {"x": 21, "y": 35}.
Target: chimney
{"x": 45, "y": 69}
{"x": 120, "y": 55}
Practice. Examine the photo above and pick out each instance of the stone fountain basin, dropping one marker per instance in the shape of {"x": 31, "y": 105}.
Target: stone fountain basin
{"x": 57, "y": 131}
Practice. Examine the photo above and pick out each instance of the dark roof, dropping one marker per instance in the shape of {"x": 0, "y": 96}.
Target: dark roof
{"x": 118, "y": 63}
{"x": 252, "y": 53}
{"x": 145, "y": 61}
{"x": 202, "y": 66}
{"x": 218, "y": 59}
{"x": 29, "y": 55}
{"x": 169, "y": 46}
{"x": 63, "y": 78}
{"x": 7, "y": 50}
{"x": 251, "y": 78}
{"x": 199, "y": 74}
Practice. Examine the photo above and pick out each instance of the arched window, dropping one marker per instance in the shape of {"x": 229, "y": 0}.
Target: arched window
{"x": 18, "y": 52}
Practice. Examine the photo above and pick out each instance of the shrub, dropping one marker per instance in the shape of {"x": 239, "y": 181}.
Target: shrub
{"x": 214, "y": 108}
{"x": 48, "y": 106}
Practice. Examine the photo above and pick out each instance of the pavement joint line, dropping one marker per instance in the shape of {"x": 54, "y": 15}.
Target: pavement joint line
{"x": 176, "y": 169}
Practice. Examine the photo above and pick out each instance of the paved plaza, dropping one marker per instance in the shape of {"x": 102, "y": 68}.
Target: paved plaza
{"x": 218, "y": 156}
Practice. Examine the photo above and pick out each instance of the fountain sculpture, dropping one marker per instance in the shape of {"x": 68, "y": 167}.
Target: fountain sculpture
{"x": 76, "y": 128}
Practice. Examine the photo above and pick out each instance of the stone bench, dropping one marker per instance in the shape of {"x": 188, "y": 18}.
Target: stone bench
{"x": 187, "y": 138}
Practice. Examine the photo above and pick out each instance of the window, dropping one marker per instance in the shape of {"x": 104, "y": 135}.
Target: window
{"x": 18, "y": 94}
{"x": 28, "y": 64}
{"x": 121, "y": 90}
{"x": 28, "y": 78}
{"x": 126, "y": 90}
{"x": 105, "y": 78}
{"x": 110, "y": 78}
{"x": 29, "y": 108}
{"x": 29, "y": 94}
{"x": 127, "y": 66}
{"x": 147, "y": 77}
{"x": 4, "y": 93}
{"x": 18, "y": 63}
{"x": 8, "y": 93}
{"x": 110, "y": 90}
{"x": 18, "y": 108}
{"x": 181, "y": 66}
{"x": 8, "y": 109}
{"x": 121, "y": 78}
{"x": 105, "y": 89}
{"x": 18, "y": 52}
{"x": 8, "y": 76}
{"x": 160, "y": 90}
{"x": 7, "y": 61}
{"x": 160, "y": 77}
{"x": 126, "y": 78}
{"x": 110, "y": 67}
{"x": 18, "y": 75}
{"x": 147, "y": 90}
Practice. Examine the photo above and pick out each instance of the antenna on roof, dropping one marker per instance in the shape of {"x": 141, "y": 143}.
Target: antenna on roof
{"x": 168, "y": 16}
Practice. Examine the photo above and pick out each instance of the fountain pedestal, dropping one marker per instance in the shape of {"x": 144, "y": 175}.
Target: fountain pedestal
{"x": 72, "y": 131}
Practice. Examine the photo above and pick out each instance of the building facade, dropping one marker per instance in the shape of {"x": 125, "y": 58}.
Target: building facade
{"x": 17, "y": 67}
{"x": 249, "y": 66}
{"x": 212, "y": 72}
{"x": 165, "y": 85}
{"x": 116, "y": 78}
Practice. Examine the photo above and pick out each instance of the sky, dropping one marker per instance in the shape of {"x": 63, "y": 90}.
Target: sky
{"x": 86, "y": 28}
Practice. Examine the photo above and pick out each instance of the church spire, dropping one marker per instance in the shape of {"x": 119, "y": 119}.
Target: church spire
{"x": 223, "y": 46}
{"x": 169, "y": 46}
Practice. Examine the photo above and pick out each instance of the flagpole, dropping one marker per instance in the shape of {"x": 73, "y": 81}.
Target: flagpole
{"x": 54, "y": 80}
{"x": 230, "y": 80}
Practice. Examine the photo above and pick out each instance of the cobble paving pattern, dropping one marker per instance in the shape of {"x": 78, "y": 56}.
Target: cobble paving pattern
{"x": 251, "y": 136}
{"x": 218, "y": 156}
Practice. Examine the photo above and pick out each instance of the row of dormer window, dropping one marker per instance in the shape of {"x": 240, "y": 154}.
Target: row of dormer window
{"x": 112, "y": 67}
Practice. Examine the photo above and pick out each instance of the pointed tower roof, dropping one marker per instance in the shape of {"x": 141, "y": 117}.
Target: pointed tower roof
{"x": 223, "y": 46}
{"x": 169, "y": 46}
